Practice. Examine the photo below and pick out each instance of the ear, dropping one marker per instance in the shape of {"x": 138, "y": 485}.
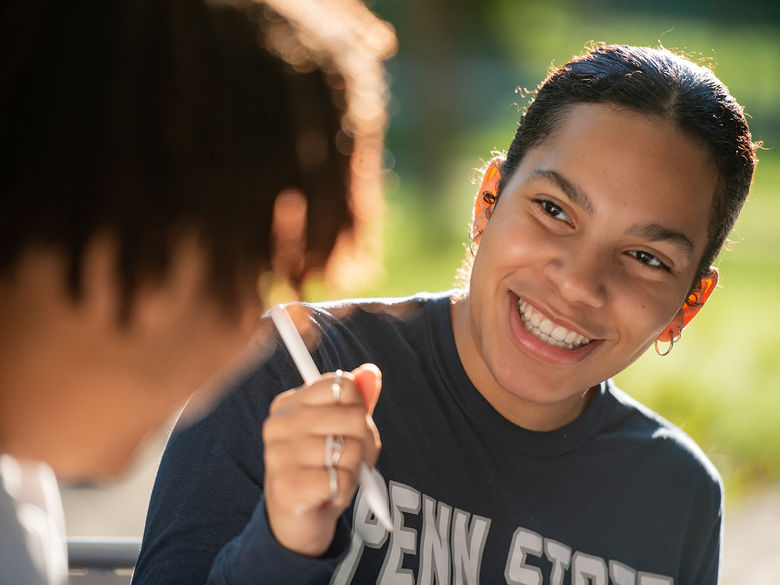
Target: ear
{"x": 695, "y": 301}
{"x": 486, "y": 196}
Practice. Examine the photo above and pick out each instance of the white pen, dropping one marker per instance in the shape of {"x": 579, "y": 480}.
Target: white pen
{"x": 371, "y": 481}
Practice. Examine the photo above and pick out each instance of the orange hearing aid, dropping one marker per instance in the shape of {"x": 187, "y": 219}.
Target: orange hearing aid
{"x": 695, "y": 301}
{"x": 699, "y": 296}
{"x": 488, "y": 189}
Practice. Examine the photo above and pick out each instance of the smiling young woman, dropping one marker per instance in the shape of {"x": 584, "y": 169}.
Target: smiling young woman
{"x": 510, "y": 454}
{"x": 585, "y": 259}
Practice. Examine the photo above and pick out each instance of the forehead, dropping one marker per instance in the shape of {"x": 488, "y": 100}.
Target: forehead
{"x": 623, "y": 160}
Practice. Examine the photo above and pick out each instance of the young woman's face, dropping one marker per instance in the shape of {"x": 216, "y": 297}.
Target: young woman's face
{"x": 587, "y": 256}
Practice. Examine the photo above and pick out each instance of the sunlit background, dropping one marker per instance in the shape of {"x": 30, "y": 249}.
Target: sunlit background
{"x": 454, "y": 102}
{"x": 453, "y": 83}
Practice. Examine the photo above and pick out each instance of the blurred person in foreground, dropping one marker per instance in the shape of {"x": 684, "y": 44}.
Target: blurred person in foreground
{"x": 160, "y": 159}
{"x": 510, "y": 455}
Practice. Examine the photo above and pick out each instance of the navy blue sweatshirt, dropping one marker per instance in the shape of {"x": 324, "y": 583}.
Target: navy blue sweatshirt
{"x": 618, "y": 496}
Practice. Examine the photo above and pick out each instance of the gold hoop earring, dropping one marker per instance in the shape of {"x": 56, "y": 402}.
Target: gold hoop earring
{"x": 672, "y": 340}
{"x": 473, "y": 241}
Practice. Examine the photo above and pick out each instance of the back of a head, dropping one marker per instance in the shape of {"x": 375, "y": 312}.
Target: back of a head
{"x": 150, "y": 119}
{"x": 658, "y": 83}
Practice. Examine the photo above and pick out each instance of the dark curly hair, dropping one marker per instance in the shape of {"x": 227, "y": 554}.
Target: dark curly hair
{"x": 150, "y": 119}
{"x": 655, "y": 82}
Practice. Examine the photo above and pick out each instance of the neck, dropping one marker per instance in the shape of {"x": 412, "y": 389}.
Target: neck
{"x": 536, "y": 416}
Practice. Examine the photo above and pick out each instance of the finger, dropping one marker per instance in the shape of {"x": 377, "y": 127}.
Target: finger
{"x": 310, "y": 487}
{"x": 311, "y": 452}
{"x": 320, "y": 392}
{"x": 298, "y": 437}
{"x": 336, "y": 419}
{"x": 372, "y": 445}
{"x": 368, "y": 378}
{"x": 346, "y": 482}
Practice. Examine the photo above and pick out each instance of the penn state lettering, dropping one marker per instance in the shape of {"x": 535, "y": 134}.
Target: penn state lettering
{"x": 450, "y": 544}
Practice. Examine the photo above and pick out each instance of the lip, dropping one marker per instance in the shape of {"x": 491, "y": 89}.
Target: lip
{"x": 542, "y": 351}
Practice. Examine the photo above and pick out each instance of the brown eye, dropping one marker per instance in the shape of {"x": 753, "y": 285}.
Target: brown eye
{"x": 553, "y": 210}
{"x": 648, "y": 259}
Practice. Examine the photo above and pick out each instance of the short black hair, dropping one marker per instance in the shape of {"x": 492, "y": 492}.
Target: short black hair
{"x": 150, "y": 119}
{"x": 656, "y": 82}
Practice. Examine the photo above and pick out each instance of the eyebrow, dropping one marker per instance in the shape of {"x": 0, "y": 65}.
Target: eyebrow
{"x": 652, "y": 232}
{"x": 571, "y": 191}
{"x": 658, "y": 233}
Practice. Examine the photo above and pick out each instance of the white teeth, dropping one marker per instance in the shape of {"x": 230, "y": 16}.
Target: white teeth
{"x": 559, "y": 333}
{"x": 549, "y": 332}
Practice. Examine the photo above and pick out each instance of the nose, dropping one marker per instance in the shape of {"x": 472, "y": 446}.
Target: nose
{"x": 580, "y": 275}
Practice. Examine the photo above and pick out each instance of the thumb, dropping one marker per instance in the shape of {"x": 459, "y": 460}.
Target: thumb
{"x": 368, "y": 378}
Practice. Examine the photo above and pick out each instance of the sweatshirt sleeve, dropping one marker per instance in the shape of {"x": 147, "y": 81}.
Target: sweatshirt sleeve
{"x": 256, "y": 557}
{"x": 708, "y": 569}
{"x": 207, "y": 504}
{"x": 701, "y": 549}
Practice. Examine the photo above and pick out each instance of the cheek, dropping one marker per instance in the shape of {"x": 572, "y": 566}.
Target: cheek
{"x": 644, "y": 312}
{"x": 508, "y": 244}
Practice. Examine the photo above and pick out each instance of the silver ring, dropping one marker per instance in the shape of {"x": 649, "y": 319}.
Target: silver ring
{"x": 333, "y": 482}
{"x": 336, "y": 387}
{"x": 334, "y": 447}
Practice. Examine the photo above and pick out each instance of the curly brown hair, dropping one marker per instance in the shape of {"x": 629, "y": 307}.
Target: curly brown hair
{"x": 150, "y": 119}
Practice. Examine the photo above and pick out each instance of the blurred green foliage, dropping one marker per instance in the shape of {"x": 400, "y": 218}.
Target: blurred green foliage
{"x": 453, "y": 103}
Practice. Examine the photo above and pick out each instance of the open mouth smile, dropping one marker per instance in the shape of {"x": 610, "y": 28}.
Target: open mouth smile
{"x": 545, "y": 330}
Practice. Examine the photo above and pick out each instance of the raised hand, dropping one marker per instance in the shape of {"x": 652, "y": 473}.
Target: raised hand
{"x": 315, "y": 439}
